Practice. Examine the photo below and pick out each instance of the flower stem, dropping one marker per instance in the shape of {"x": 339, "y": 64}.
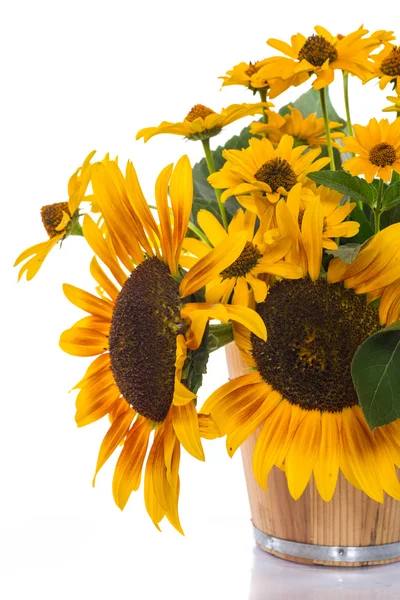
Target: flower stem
{"x": 378, "y": 208}
{"x": 346, "y": 102}
{"x": 322, "y": 95}
{"x": 219, "y": 336}
{"x": 198, "y": 232}
{"x": 263, "y": 96}
{"x": 211, "y": 169}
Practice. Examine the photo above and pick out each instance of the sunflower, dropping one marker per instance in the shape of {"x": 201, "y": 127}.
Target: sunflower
{"x": 395, "y": 106}
{"x": 378, "y": 148}
{"x": 301, "y": 396}
{"x": 236, "y": 275}
{"x": 246, "y": 74}
{"x": 321, "y": 54}
{"x": 59, "y": 220}
{"x": 265, "y": 171}
{"x": 201, "y": 122}
{"x": 143, "y": 335}
{"x": 387, "y": 67}
{"x": 333, "y": 214}
{"x": 309, "y": 130}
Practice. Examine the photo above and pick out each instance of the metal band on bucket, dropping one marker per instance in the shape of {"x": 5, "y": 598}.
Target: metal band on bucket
{"x": 347, "y": 554}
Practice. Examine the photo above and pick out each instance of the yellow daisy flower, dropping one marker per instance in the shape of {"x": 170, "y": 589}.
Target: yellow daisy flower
{"x": 264, "y": 170}
{"x": 301, "y": 396}
{"x": 309, "y": 130}
{"x": 387, "y": 67}
{"x": 378, "y": 148}
{"x": 59, "y": 221}
{"x": 246, "y": 74}
{"x": 333, "y": 214}
{"x": 201, "y": 122}
{"x": 142, "y": 332}
{"x": 321, "y": 54}
{"x": 236, "y": 275}
{"x": 395, "y": 106}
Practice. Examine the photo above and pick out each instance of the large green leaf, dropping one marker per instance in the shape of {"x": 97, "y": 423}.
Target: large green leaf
{"x": 391, "y": 197}
{"x": 376, "y": 375}
{"x": 351, "y": 186}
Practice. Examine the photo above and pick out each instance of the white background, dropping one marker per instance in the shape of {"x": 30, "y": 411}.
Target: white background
{"x": 77, "y": 76}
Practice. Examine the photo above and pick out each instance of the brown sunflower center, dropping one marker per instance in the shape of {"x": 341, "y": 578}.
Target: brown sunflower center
{"x": 244, "y": 264}
{"x": 382, "y": 154}
{"x": 317, "y": 50}
{"x": 314, "y": 330}
{"x": 197, "y": 111}
{"x": 52, "y": 215}
{"x": 144, "y": 326}
{"x": 391, "y": 64}
{"x": 277, "y": 173}
{"x": 251, "y": 69}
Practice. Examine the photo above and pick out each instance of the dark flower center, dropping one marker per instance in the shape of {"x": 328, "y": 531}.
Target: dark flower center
{"x": 382, "y": 154}
{"x": 314, "y": 330}
{"x": 244, "y": 264}
{"x": 277, "y": 173}
{"x": 52, "y": 215}
{"x": 144, "y": 326}
{"x": 391, "y": 64}
{"x": 197, "y": 111}
{"x": 317, "y": 50}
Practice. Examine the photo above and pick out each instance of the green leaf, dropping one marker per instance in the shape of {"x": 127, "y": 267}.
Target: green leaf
{"x": 376, "y": 375}
{"x": 309, "y": 103}
{"x": 366, "y": 230}
{"x": 347, "y": 184}
{"x": 347, "y": 253}
{"x": 391, "y": 197}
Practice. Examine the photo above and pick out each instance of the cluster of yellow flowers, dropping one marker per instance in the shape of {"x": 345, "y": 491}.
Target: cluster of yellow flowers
{"x": 274, "y": 272}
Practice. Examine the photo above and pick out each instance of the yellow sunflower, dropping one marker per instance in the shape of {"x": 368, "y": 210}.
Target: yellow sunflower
{"x": 301, "y": 396}
{"x": 395, "y": 106}
{"x": 378, "y": 148}
{"x": 201, "y": 122}
{"x": 59, "y": 220}
{"x": 238, "y": 275}
{"x": 333, "y": 214}
{"x": 265, "y": 171}
{"x": 246, "y": 74}
{"x": 309, "y": 130}
{"x": 387, "y": 67}
{"x": 142, "y": 334}
{"x": 321, "y": 54}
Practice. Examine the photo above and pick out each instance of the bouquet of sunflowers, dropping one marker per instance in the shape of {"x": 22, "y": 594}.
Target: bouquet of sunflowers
{"x": 285, "y": 241}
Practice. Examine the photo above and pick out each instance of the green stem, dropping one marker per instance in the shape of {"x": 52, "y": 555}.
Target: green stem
{"x": 263, "y": 96}
{"x": 397, "y": 113}
{"x": 211, "y": 170}
{"x": 199, "y": 233}
{"x": 346, "y": 102}
{"x": 378, "y": 209}
{"x": 322, "y": 95}
{"x": 219, "y": 336}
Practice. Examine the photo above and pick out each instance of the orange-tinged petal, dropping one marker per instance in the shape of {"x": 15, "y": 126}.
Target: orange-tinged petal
{"x": 326, "y": 469}
{"x": 186, "y": 427}
{"x": 88, "y": 302}
{"x": 114, "y": 436}
{"x": 128, "y": 469}
{"x": 81, "y": 341}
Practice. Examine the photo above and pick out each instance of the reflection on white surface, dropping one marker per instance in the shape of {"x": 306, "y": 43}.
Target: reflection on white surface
{"x": 274, "y": 578}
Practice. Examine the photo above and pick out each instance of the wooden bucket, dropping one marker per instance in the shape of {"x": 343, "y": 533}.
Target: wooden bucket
{"x": 349, "y": 531}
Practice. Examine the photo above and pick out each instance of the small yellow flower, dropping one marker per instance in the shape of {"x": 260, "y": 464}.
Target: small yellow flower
{"x": 58, "y": 219}
{"x": 201, "y": 122}
{"x": 378, "y": 148}
{"x": 321, "y": 54}
{"x": 265, "y": 171}
{"x": 239, "y": 257}
{"x": 395, "y": 106}
{"x": 309, "y": 130}
{"x": 387, "y": 67}
{"x": 246, "y": 74}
